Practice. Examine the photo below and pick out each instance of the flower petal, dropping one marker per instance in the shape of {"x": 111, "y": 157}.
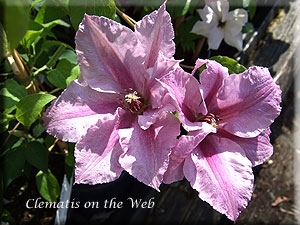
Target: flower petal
{"x": 250, "y": 96}
{"x": 108, "y": 55}
{"x": 146, "y": 152}
{"x": 155, "y": 32}
{"x": 221, "y": 174}
{"x": 185, "y": 145}
{"x": 239, "y": 16}
{"x": 98, "y": 152}
{"x": 201, "y": 28}
{"x": 150, "y": 116}
{"x": 76, "y": 109}
{"x": 162, "y": 67}
{"x": 257, "y": 149}
{"x": 215, "y": 38}
{"x": 208, "y": 15}
{"x": 184, "y": 89}
{"x": 234, "y": 40}
{"x": 211, "y": 79}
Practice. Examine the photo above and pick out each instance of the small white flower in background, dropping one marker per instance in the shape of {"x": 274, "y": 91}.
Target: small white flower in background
{"x": 218, "y": 23}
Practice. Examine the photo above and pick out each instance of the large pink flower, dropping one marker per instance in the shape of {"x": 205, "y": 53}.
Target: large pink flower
{"x": 117, "y": 112}
{"x": 228, "y": 119}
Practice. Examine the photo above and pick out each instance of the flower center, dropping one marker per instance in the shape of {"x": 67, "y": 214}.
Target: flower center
{"x": 134, "y": 102}
{"x": 209, "y": 118}
{"x": 222, "y": 24}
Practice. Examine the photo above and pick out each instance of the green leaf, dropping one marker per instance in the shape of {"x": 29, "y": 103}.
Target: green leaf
{"x": 77, "y": 9}
{"x": 69, "y": 55}
{"x": 11, "y": 93}
{"x": 38, "y": 130}
{"x": 3, "y": 43}
{"x": 6, "y": 217}
{"x": 70, "y": 159}
{"x": 246, "y": 3}
{"x": 233, "y": 66}
{"x": 63, "y": 74}
{"x": 29, "y": 108}
{"x": 248, "y": 28}
{"x": 50, "y": 11}
{"x": 252, "y": 8}
{"x": 186, "y": 7}
{"x": 49, "y": 140}
{"x": 37, "y": 155}
{"x": 47, "y": 185}
{"x": 13, "y": 165}
{"x": 14, "y": 18}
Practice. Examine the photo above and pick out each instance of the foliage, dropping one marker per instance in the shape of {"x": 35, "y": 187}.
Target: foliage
{"x": 43, "y": 35}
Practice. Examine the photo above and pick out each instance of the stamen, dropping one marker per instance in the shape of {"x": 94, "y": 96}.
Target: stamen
{"x": 209, "y": 118}
{"x": 134, "y": 102}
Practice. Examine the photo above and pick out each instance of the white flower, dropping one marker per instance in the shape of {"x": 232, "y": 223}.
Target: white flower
{"x": 218, "y": 23}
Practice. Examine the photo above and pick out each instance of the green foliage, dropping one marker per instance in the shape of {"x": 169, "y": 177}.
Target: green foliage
{"x": 251, "y": 6}
{"x": 63, "y": 74}
{"x": 248, "y": 28}
{"x": 31, "y": 106}
{"x": 14, "y": 18}
{"x": 77, "y": 9}
{"x": 47, "y": 185}
{"x": 37, "y": 155}
{"x": 13, "y": 164}
{"x": 3, "y": 43}
{"x": 233, "y": 66}
{"x": 184, "y": 37}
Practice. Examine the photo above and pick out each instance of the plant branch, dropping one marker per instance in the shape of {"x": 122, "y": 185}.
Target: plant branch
{"x": 10, "y": 133}
{"x": 199, "y": 46}
{"x": 128, "y": 19}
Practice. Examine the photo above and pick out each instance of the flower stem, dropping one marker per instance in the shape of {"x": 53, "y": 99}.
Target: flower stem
{"x": 186, "y": 66}
{"x": 127, "y": 18}
{"x": 10, "y": 133}
{"x": 199, "y": 46}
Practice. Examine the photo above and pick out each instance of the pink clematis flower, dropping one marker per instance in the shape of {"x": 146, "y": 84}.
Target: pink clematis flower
{"x": 117, "y": 112}
{"x": 228, "y": 119}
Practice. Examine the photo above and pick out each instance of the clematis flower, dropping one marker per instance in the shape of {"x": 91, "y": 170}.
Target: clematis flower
{"x": 218, "y": 24}
{"x": 117, "y": 113}
{"x": 228, "y": 119}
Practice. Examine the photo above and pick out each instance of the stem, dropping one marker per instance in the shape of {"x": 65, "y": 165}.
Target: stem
{"x": 10, "y": 133}
{"x": 54, "y": 91}
{"x": 186, "y": 66}
{"x": 19, "y": 69}
{"x": 55, "y": 56}
{"x": 128, "y": 19}
{"x": 178, "y": 21}
{"x": 52, "y": 146}
{"x": 199, "y": 46}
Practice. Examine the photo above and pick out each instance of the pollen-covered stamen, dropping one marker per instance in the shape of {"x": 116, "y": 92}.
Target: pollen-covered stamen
{"x": 209, "y": 118}
{"x": 134, "y": 102}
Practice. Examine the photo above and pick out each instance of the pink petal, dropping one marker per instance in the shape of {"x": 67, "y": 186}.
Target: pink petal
{"x": 222, "y": 175}
{"x": 146, "y": 152}
{"x": 250, "y": 96}
{"x": 108, "y": 55}
{"x": 184, "y": 89}
{"x": 77, "y": 109}
{"x": 98, "y": 152}
{"x": 161, "y": 68}
{"x": 150, "y": 116}
{"x": 185, "y": 145}
{"x": 257, "y": 149}
{"x": 211, "y": 79}
{"x": 155, "y": 32}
